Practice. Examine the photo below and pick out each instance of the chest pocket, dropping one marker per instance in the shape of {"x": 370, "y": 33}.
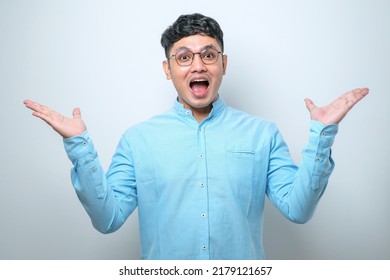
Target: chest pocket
{"x": 240, "y": 169}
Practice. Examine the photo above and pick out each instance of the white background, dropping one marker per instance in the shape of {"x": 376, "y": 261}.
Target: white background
{"x": 105, "y": 57}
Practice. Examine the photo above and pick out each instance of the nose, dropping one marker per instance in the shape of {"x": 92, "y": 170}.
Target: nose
{"x": 197, "y": 63}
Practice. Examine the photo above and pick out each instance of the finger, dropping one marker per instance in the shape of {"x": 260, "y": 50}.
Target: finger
{"x": 359, "y": 93}
{"x": 41, "y": 111}
{"x": 47, "y": 118}
{"x": 354, "y": 96}
{"x": 36, "y": 106}
{"x": 29, "y": 104}
{"x": 76, "y": 113}
{"x": 309, "y": 104}
{"x": 356, "y": 93}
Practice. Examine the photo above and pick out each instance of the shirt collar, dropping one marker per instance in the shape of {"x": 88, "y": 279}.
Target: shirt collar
{"x": 218, "y": 106}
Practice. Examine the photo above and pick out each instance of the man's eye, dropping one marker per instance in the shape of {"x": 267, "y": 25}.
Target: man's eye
{"x": 209, "y": 55}
{"x": 184, "y": 57}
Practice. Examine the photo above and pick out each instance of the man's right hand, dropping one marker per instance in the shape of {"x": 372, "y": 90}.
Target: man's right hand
{"x": 66, "y": 127}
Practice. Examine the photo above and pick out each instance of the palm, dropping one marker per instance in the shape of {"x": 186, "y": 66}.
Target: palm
{"x": 338, "y": 109}
{"x": 66, "y": 127}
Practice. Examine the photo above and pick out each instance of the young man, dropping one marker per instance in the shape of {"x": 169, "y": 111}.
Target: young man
{"x": 199, "y": 174}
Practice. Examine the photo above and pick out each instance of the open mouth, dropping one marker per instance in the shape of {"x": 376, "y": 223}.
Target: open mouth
{"x": 199, "y": 86}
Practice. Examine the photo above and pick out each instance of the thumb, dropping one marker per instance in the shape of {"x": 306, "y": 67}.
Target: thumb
{"x": 309, "y": 104}
{"x": 76, "y": 113}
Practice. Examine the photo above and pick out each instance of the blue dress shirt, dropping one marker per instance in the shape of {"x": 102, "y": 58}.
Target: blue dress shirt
{"x": 200, "y": 187}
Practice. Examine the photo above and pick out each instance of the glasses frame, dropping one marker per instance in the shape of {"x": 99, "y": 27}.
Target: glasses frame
{"x": 193, "y": 56}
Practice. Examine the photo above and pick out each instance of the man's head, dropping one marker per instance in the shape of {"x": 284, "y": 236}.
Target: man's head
{"x": 188, "y": 25}
{"x": 195, "y": 61}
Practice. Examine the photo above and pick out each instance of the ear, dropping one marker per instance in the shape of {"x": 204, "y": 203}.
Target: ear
{"x": 224, "y": 63}
{"x": 167, "y": 69}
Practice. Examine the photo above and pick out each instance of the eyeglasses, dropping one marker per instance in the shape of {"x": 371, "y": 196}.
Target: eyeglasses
{"x": 186, "y": 57}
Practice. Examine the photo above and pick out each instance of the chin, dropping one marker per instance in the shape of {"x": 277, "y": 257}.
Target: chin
{"x": 201, "y": 103}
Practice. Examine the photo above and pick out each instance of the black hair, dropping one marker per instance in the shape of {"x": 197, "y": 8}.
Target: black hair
{"x": 188, "y": 25}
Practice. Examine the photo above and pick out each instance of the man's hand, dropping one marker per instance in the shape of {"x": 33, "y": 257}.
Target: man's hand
{"x": 66, "y": 127}
{"x": 338, "y": 109}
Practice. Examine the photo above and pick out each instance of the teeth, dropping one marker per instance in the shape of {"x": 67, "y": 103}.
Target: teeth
{"x": 199, "y": 81}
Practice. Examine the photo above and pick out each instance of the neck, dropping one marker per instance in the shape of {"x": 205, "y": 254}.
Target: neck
{"x": 201, "y": 113}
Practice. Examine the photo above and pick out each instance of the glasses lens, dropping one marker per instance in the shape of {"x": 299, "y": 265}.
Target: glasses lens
{"x": 184, "y": 58}
{"x": 209, "y": 56}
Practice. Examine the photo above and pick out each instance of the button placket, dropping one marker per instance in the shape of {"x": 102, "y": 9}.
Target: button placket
{"x": 202, "y": 173}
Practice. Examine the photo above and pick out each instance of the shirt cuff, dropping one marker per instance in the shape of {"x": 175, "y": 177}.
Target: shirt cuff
{"x": 326, "y": 133}
{"x": 79, "y": 146}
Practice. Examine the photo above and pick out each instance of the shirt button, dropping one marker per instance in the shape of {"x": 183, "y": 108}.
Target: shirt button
{"x": 84, "y": 144}
{"x": 318, "y": 159}
{"x": 203, "y": 215}
{"x": 188, "y": 113}
{"x": 201, "y": 155}
{"x": 204, "y": 247}
{"x": 202, "y": 185}
{"x": 93, "y": 169}
{"x": 323, "y": 133}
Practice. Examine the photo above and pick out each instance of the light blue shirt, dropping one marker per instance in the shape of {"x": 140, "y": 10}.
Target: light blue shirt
{"x": 200, "y": 188}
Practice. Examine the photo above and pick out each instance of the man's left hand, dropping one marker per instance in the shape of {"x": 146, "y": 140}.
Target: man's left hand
{"x": 338, "y": 109}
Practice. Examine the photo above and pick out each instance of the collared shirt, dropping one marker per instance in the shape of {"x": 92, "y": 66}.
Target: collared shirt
{"x": 200, "y": 187}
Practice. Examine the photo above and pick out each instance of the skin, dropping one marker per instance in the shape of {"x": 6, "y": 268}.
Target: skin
{"x": 181, "y": 76}
{"x": 200, "y": 105}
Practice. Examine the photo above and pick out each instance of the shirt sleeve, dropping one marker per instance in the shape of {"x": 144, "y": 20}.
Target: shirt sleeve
{"x": 296, "y": 190}
{"x": 108, "y": 199}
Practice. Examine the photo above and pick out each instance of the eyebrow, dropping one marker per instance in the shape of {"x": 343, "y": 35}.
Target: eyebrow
{"x": 184, "y": 48}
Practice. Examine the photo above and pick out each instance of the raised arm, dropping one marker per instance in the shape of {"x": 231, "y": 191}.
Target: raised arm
{"x": 338, "y": 109}
{"x": 66, "y": 127}
{"x": 298, "y": 199}
{"x": 96, "y": 193}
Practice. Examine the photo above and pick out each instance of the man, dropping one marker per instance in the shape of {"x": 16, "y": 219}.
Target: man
{"x": 199, "y": 173}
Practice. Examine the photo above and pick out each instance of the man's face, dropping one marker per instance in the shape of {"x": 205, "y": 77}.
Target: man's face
{"x": 197, "y": 85}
